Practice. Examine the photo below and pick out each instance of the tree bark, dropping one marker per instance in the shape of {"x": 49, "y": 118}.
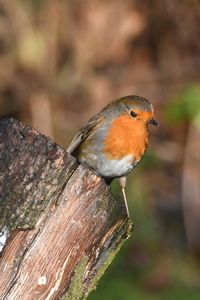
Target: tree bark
{"x": 60, "y": 224}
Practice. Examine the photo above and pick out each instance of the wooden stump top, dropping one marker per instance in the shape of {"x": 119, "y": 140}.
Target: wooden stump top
{"x": 64, "y": 224}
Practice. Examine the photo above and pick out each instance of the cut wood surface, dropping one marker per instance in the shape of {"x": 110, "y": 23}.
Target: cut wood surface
{"x": 63, "y": 223}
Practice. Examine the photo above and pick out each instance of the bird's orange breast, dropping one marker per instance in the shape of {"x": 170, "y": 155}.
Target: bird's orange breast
{"x": 126, "y": 136}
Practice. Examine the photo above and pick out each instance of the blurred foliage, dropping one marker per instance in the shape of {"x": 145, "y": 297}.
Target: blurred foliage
{"x": 147, "y": 268}
{"x": 186, "y": 106}
{"x": 61, "y": 61}
{"x": 158, "y": 284}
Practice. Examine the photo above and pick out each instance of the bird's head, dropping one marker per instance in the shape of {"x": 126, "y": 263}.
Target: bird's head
{"x": 137, "y": 108}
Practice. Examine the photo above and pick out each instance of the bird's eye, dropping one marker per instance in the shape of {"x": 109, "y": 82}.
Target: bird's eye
{"x": 133, "y": 114}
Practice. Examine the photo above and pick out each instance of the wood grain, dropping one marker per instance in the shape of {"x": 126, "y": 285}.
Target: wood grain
{"x": 65, "y": 225}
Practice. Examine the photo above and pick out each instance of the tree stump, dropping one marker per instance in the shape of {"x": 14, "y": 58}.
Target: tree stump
{"x": 60, "y": 224}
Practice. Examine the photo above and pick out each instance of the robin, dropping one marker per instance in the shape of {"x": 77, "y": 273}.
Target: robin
{"x": 113, "y": 141}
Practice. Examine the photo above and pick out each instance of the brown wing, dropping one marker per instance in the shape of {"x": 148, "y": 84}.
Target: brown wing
{"x": 84, "y": 132}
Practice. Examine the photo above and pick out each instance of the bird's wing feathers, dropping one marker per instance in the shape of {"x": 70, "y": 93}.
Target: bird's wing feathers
{"x": 78, "y": 138}
{"x": 84, "y": 132}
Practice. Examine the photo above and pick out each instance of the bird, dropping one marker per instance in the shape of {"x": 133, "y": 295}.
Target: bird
{"x": 114, "y": 140}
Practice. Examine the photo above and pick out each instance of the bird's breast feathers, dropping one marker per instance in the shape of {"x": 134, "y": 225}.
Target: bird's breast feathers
{"x": 126, "y": 137}
{"x": 120, "y": 150}
{"x": 116, "y": 167}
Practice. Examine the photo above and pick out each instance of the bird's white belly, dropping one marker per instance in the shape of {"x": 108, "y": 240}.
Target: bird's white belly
{"x": 115, "y": 167}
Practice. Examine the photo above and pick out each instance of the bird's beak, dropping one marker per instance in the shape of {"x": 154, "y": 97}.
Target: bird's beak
{"x": 153, "y": 122}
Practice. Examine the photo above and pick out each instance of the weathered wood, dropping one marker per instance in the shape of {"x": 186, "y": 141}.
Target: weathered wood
{"x": 65, "y": 226}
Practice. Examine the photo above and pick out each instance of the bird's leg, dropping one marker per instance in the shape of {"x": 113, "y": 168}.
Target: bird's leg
{"x": 122, "y": 183}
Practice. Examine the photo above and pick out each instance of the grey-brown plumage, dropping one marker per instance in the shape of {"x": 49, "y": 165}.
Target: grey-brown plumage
{"x": 114, "y": 140}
